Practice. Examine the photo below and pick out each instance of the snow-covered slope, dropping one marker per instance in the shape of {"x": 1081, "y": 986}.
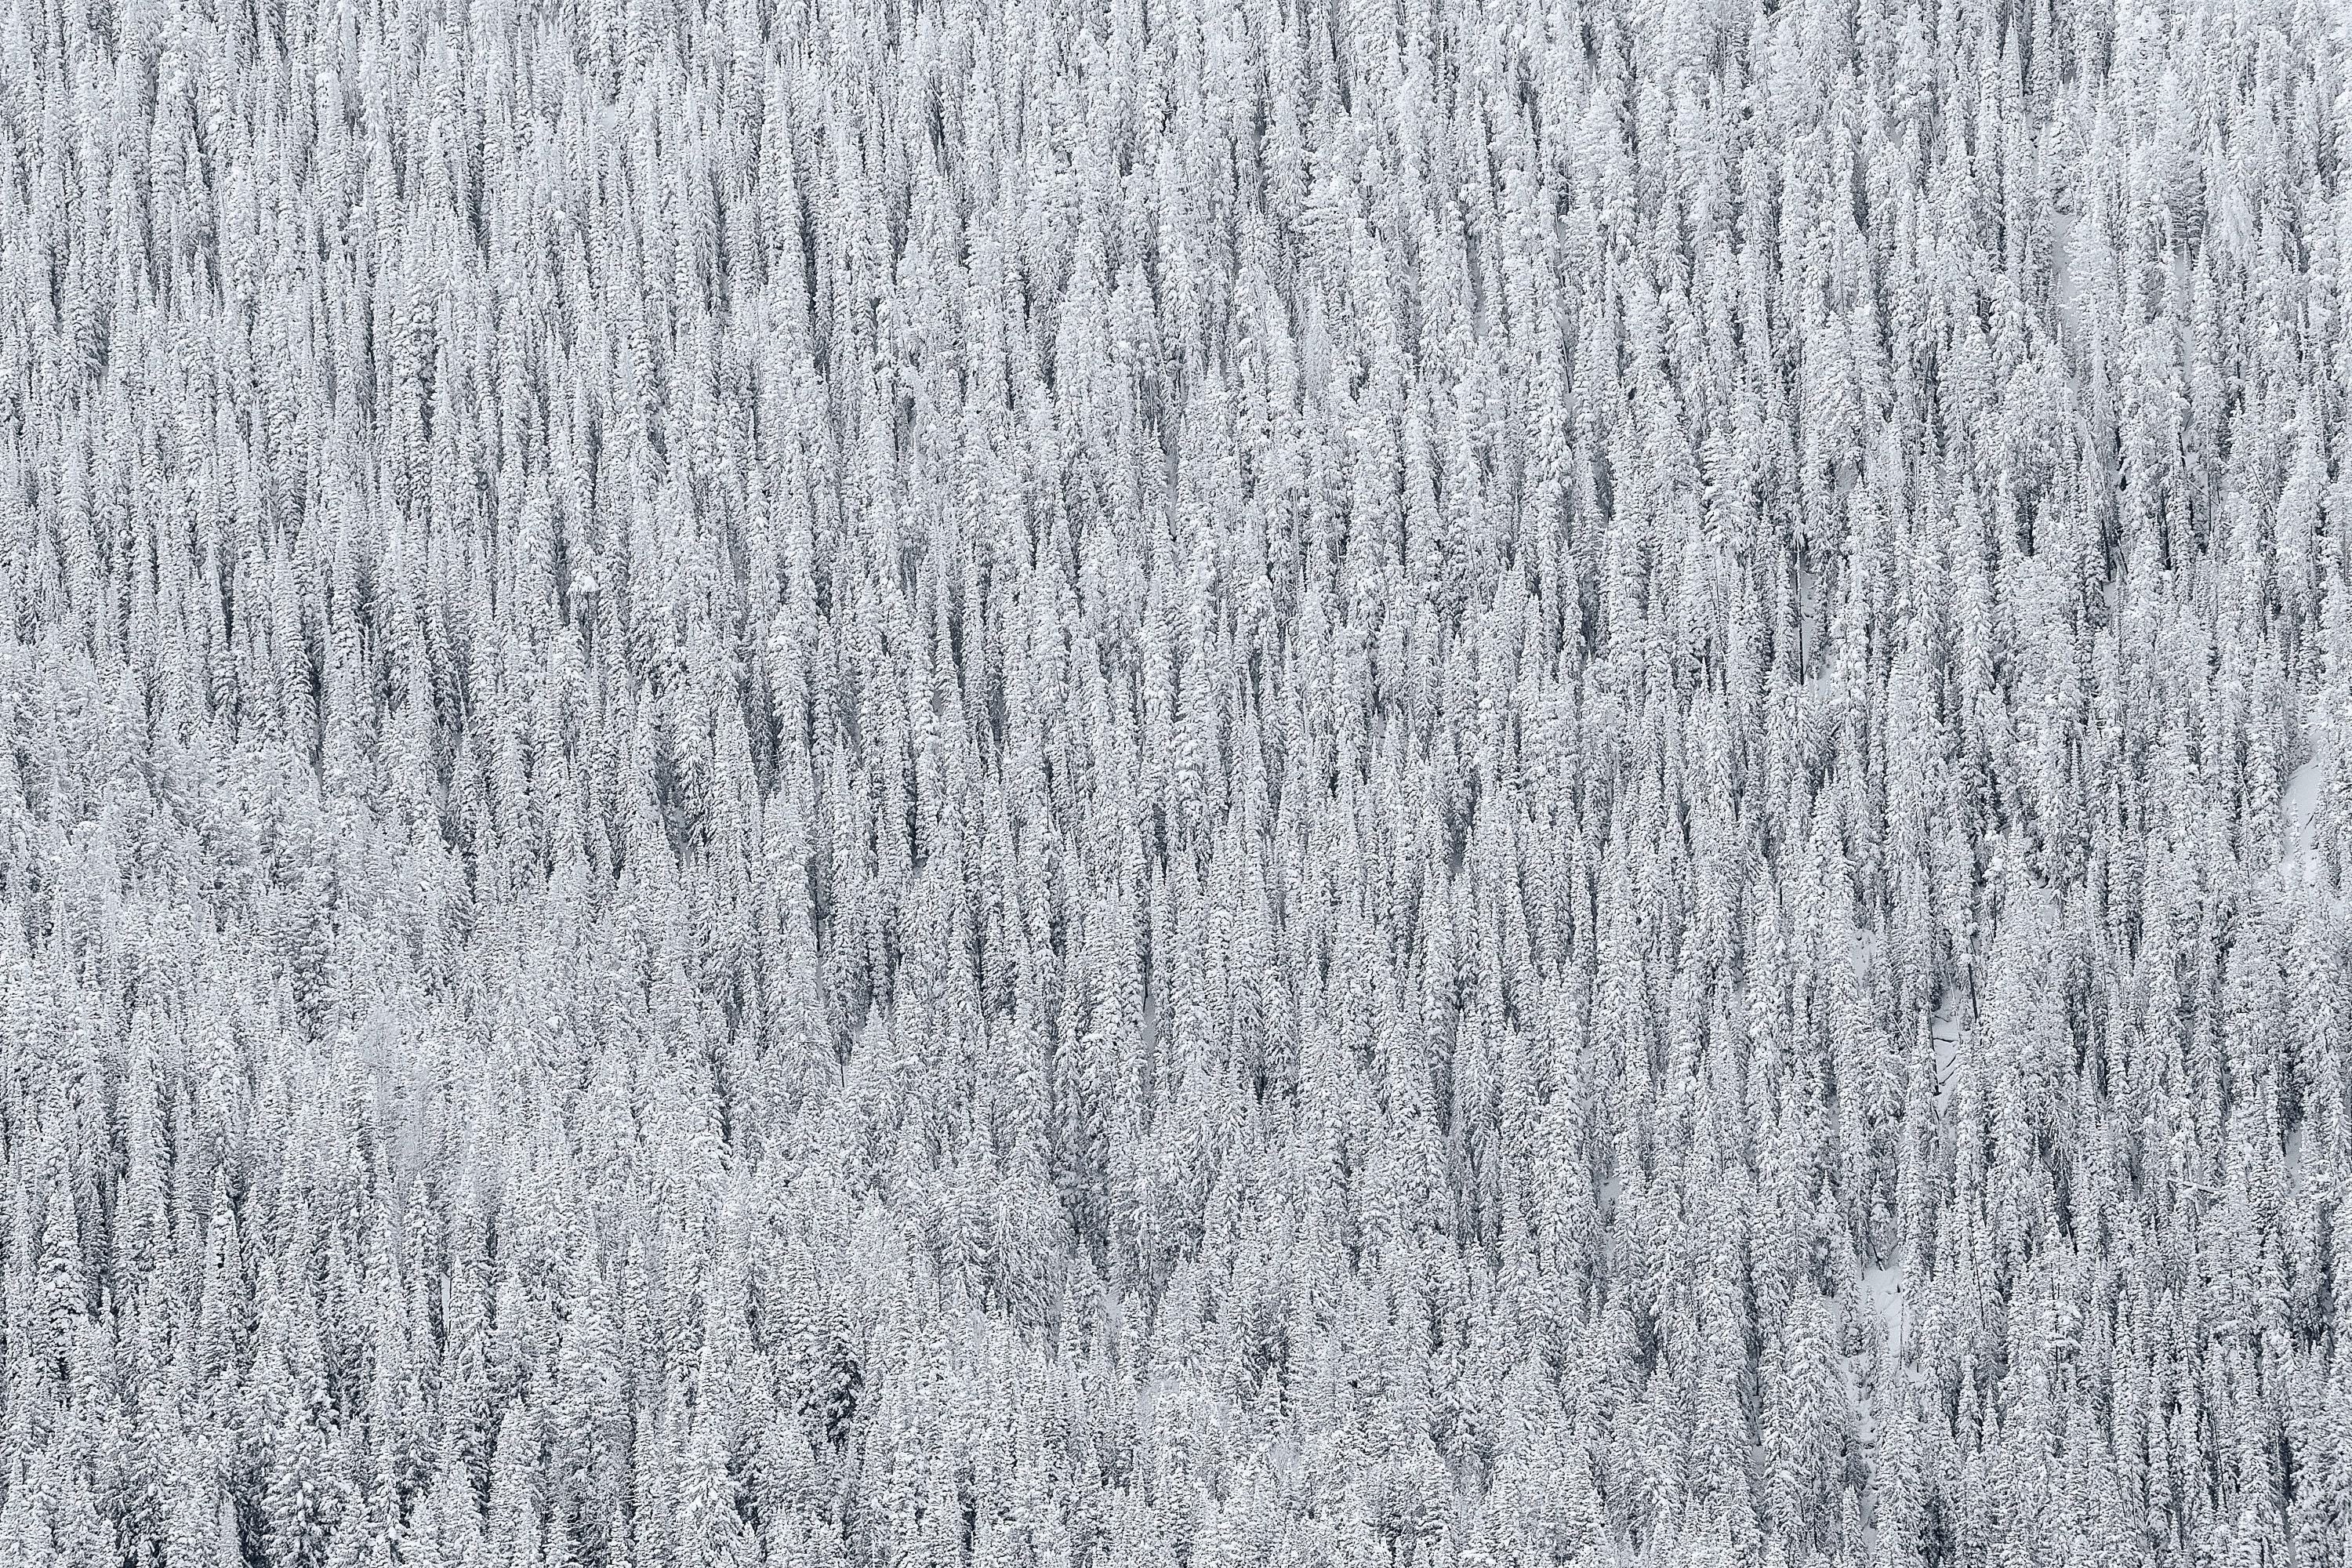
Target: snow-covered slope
{"x": 1222, "y": 781}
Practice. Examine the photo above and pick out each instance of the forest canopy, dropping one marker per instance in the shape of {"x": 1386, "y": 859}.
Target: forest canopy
{"x": 1021, "y": 783}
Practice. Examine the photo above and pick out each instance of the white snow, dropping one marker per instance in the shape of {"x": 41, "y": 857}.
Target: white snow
{"x": 1882, "y": 1289}
{"x": 1944, "y": 1035}
{"x": 2299, "y": 864}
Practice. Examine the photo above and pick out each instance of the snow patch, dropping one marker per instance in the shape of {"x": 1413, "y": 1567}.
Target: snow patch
{"x": 1809, "y": 616}
{"x": 1881, "y": 1291}
{"x": 2066, "y": 292}
{"x": 1944, "y": 1035}
{"x": 1862, "y": 947}
{"x": 2299, "y": 864}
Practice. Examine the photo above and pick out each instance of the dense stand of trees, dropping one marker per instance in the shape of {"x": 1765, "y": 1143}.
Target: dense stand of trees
{"x": 1174, "y": 782}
